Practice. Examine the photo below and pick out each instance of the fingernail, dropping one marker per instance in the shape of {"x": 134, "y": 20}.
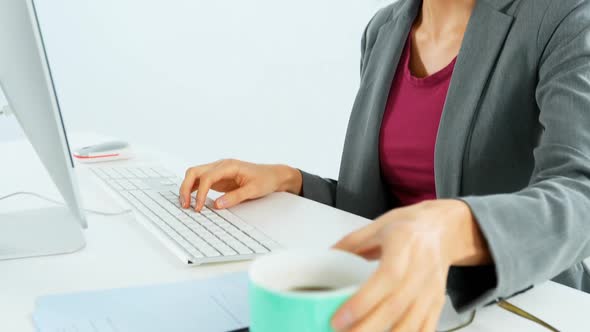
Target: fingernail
{"x": 342, "y": 320}
{"x": 182, "y": 201}
{"x": 221, "y": 202}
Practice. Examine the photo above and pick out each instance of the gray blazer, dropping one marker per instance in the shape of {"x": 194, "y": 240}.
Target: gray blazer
{"x": 513, "y": 142}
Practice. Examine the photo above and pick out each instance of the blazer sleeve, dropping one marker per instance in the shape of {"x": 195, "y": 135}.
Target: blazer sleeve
{"x": 319, "y": 189}
{"x": 315, "y": 187}
{"x": 544, "y": 229}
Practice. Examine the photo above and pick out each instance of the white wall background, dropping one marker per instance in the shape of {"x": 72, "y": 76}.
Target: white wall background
{"x": 262, "y": 80}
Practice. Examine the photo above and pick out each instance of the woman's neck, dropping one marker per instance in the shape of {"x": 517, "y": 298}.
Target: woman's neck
{"x": 438, "y": 18}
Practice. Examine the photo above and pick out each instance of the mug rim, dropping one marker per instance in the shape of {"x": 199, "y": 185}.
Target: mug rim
{"x": 254, "y": 279}
{"x": 303, "y": 294}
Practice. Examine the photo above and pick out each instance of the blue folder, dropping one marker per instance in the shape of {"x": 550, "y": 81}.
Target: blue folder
{"x": 208, "y": 305}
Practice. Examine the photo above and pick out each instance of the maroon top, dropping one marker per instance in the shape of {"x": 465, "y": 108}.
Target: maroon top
{"x": 408, "y": 131}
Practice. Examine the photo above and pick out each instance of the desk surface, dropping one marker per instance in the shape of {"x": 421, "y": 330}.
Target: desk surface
{"x": 122, "y": 253}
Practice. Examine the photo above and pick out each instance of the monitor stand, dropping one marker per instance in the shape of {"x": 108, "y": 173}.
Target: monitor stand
{"x": 40, "y": 232}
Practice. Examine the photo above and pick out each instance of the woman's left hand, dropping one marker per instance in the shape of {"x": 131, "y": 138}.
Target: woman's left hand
{"x": 416, "y": 246}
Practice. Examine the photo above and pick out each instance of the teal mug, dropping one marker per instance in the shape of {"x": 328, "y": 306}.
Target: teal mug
{"x": 300, "y": 290}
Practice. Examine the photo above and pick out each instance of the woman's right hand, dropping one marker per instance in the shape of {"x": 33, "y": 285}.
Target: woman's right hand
{"x": 238, "y": 180}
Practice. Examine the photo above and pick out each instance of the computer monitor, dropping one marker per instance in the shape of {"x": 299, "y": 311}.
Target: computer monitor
{"x": 25, "y": 77}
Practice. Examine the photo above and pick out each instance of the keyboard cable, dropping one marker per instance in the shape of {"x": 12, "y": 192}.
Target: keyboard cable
{"x": 51, "y": 200}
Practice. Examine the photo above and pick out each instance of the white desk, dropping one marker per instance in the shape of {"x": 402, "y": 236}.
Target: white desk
{"x": 121, "y": 253}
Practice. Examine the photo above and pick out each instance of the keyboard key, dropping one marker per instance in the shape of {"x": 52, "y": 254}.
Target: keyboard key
{"x": 150, "y": 172}
{"x": 212, "y": 227}
{"x": 208, "y": 214}
{"x": 185, "y": 218}
{"x": 137, "y": 172}
{"x": 195, "y": 253}
{"x": 145, "y": 199}
{"x": 116, "y": 186}
{"x": 163, "y": 172}
{"x": 240, "y": 235}
{"x": 218, "y": 232}
{"x": 232, "y": 242}
{"x": 216, "y": 219}
{"x": 113, "y": 174}
{"x": 194, "y": 237}
{"x": 126, "y": 184}
{"x": 207, "y": 236}
{"x": 125, "y": 173}
{"x": 184, "y": 231}
{"x": 196, "y": 216}
{"x": 228, "y": 228}
{"x": 257, "y": 248}
{"x": 171, "y": 208}
{"x": 203, "y": 233}
{"x": 210, "y": 252}
{"x": 178, "y": 213}
{"x": 198, "y": 243}
{"x": 223, "y": 246}
{"x": 174, "y": 234}
{"x": 215, "y": 243}
{"x": 206, "y": 223}
{"x": 240, "y": 224}
{"x": 226, "y": 237}
{"x": 167, "y": 182}
{"x": 195, "y": 226}
{"x": 183, "y": 243}
{"x": 170, "y": 197}
{"x": 227, "y": 251}
{"x": 242, "y": 249}
{"x": 140, "y": 184}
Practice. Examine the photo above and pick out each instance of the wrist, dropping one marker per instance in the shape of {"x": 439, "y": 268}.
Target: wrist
{"x": 290, "y": 179}
{"x": 464, "y": 242}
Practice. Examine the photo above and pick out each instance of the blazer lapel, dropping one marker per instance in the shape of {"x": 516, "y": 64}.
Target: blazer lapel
{"x": 361, "y": 190}
{"x": 484, "y": 38}
{"x": 388, "y": 47}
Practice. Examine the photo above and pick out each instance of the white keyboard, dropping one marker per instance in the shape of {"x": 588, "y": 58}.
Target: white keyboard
{"x": 206, "y": 237}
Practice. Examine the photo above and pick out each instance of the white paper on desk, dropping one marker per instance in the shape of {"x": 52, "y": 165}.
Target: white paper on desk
{"x": 216, "y": 304}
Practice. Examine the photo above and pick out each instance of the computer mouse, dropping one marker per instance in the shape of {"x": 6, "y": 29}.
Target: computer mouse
{"x": 107, "y": 151}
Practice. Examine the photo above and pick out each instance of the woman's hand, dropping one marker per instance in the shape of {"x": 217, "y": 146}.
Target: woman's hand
{"x": 239, "y": 181}
{"x": 416, "y": 246}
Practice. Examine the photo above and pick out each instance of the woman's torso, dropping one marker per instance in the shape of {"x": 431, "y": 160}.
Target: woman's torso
{"x": 490, "y": 124}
